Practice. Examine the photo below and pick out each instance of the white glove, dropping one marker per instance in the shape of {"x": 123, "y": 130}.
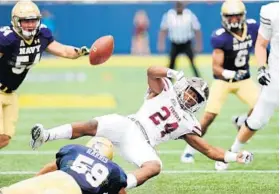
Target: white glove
{"x": 177, "y": 75}
{"x": 245, "y": 157}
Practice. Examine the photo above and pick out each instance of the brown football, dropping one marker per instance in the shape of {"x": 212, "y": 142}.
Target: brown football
{"x": 101, "y": 50}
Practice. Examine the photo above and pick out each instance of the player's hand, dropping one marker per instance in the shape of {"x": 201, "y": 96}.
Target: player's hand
{"x": 82, "y": 51}
{"x": 179, "y": 75}
{"x": 263, "y": 76}
{"x": 245, "y": 157}
{"x": 240, "y": 74}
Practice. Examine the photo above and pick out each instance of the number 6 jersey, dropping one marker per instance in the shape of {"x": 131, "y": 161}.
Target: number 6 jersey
{"x": 19, "y": 55}
{"x": 163, "y": 118}
{"x": 236, "y": 49}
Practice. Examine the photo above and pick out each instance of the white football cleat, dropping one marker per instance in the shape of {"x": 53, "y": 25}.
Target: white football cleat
{"x": 187, "y": 158}
{"x": 37, "y": 136}
{"x": 221, "y": 166}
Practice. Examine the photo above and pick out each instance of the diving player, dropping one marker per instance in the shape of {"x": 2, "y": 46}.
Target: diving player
{"x": 21, "y": 47}
{"x": 166, "y": 114}
{"x": 232, "y": 45}
{"x": 77, "y": 170}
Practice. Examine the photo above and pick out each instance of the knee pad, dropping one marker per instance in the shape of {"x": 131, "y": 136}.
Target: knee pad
{"x": 255, "y": 124}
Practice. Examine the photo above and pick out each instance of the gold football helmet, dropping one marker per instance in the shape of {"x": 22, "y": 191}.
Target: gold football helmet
{"x": 25, "y": 10}
{"x": 102, "y": 145}
{"x": 233, "y": 10}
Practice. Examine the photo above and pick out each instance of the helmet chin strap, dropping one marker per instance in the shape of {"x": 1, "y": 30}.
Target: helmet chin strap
{"x": 27, "y": 34}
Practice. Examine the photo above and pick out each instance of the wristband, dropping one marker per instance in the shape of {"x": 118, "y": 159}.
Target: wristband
{"x": 228, "y": 74}
{"x": 230, "y": 156}
{"x": 171, "y": 73}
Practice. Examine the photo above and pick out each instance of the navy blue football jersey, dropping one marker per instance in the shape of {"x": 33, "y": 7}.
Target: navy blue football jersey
{"x": 236, "y": 51}
{"x": 20, "y": 55}
{"x": 94, "y": 173}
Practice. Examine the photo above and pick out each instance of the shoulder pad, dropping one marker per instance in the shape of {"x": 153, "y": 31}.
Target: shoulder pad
{"x": 43, "y": 26}
{"x": 251, "y": 21}
{"x": 6, "y": 30}
{"x": 219, "y": 32}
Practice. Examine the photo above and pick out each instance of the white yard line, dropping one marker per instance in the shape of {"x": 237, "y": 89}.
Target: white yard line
{"x": 163, "y": 152}
{"x": 169, "y": 172}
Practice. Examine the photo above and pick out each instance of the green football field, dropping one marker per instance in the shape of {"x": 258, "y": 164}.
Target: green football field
{"x": 63, "y": 93}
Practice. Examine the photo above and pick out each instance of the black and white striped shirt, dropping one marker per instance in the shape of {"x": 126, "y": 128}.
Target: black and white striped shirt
{"x": 180, "y": 27}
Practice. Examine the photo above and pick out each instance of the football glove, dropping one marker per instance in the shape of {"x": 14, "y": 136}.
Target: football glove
{"x": 245, "y": 157}
{"x": 82, "y": 51}
{"x": 263, "y": 76}
{"x": 177, "y": 75}
{"x": 240, "y": 74}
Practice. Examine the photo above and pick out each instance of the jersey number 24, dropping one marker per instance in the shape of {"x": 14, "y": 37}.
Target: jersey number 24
{"x": 158, "y": 117}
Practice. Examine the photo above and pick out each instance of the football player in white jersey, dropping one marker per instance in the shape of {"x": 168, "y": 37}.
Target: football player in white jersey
{"x": 268, "y": 77}
{"x": 166, "y": 114}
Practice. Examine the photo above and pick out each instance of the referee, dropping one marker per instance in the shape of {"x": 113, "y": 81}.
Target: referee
{"x": 182, "y": 26}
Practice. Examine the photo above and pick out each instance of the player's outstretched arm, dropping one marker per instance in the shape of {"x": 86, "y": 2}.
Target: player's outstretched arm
{"x": 1, "y": 54}
{"x": 215, "y": 153}
{"x": 66, "y": 51}
{"x": 50, "y": 167}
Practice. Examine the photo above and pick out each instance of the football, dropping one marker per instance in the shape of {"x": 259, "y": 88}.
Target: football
{"x": 101, "y": 50}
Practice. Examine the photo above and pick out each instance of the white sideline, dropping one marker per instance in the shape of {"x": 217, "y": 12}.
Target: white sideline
{"x": 164, "y": 152}
{"x": 169, "y": 172}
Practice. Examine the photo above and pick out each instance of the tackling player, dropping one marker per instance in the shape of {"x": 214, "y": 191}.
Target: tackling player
{"x": 268, "y": 100}
{"x": 166, "y": 114}
{"x": 232, "y": 46}
{"x": 21, "y": 47}
{"x": 77, "y": 170}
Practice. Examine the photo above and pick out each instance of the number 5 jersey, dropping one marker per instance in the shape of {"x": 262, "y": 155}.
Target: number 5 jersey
{"x": 19, "y": 55}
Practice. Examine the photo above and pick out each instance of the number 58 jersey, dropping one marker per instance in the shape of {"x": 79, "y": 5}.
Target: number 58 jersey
{"x": 19, "y": 55}
{"x": 95, "y": 174}
{"x": 163, "y": 118}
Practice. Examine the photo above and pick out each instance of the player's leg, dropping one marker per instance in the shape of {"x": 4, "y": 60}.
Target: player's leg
{"x": 189, "y": 52}
{"x": 263, "y": 111}
{"x": 100, "y": 126}
{"x": 135, "y": 149}
{"x": 173, "y": 55}
{"x": 248, "y": 92}
{"x": 56, "y": 182}
{"x": 4, "y": 139}
{"x": 8, "y": 117}
{"x": 40, "y": 135}
{"x": 218, "y": 93}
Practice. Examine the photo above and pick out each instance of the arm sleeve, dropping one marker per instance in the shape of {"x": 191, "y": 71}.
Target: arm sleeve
{"x": 4, "y": 43}
{"x": 195, "y": 22}
{"x": 118, "y": 181}
{"x": 217, "y": 41}
{"x": 62, "y": 152}
{"x": 46, "y": 32}
{"x": 164, "y": 24}
{"x": 265, "y": 24}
